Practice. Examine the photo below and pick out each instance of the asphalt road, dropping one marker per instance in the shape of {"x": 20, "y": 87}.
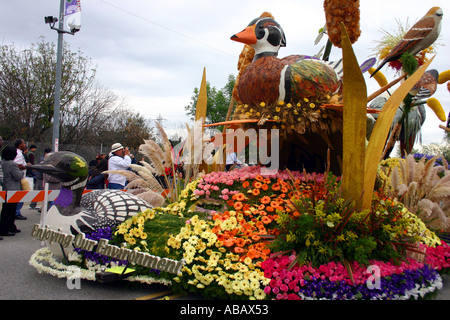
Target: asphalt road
{"x": 20, "y": 281}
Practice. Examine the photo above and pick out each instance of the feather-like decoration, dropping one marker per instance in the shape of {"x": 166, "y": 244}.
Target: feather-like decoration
{"x": 402, "y": 189}
{"x": 130, "y": 175}
{"x": 440, "y": 193}
{"x": 427, "y": 171}
{"x": 155, "y": 199}
{"x": 150, "y": 152}
{"x": 395, "y": 180}
{"x": 148, "y": 177}
{"x": 157, "y": 148}
{"x": 412, "y": 188}
{"x": 148, "y": 166}
{"x": 137, "y": 184}
{"x": 432, "y": 213}
{"x": 167, "y": 146}
{"x": 411, "y": 163}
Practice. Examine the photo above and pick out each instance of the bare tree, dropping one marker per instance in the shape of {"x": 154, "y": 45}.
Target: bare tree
{"x": 90, "y": 114}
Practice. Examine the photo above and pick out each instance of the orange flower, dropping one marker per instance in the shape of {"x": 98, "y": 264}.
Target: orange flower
{"x": 266, "y": 180}
{"x": 264, "y": 187}
{"x": 239, "y": 196}
{"x": 255, "y": 192}
{"x": 257, "y": 184}
{"x": 238, "y": 250}
{"x": 259, "y": 178}
{"x": 239, "y": 242}
{"x": 248, "y": 233}
{"x": 276, "y": 187}
{"x": 255, "y": 237}
{"x": 238, "y": 205}
{"x": 245, "y": 184}
{"x": 270, "y": 209}
{"x": 265, "y": 200}
{"x": 274, "y": 204}
{"x": 228, "y": 242}
{"x": 261, "y": 206}
{"x": 266, "y": 220}
{"x": 253, "y": 254}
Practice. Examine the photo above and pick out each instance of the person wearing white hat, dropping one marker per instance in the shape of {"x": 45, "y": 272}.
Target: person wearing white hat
{"x": 119, "y": 159}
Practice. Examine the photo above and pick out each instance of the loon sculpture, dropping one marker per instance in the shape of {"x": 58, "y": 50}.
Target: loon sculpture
{"x": 73, "y": 212}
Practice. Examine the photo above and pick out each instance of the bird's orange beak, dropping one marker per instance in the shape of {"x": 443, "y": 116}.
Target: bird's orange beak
{"x": 246, "y": 36}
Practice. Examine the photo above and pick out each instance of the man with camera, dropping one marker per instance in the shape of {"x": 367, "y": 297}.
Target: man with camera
{"x": 119, "y": 159}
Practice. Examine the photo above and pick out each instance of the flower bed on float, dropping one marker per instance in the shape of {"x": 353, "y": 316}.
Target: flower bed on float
{"x": 289, "y": 235}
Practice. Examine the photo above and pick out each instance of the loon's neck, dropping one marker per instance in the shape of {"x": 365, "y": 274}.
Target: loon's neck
{"x": 70, "y": 195}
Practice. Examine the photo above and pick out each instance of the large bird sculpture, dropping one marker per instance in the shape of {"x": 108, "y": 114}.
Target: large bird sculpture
{"x": 292, "y": 94}
{"x": 269, "y": 79}
{"x": 73, "y": 212}
{"x": 421, "y": 35}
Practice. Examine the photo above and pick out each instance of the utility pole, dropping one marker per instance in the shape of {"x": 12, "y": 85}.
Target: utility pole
{"x": 56, "y": 111}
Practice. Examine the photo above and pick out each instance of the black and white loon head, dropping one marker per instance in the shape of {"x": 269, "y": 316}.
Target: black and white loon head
{"x": 69, "y": 168}
{"x": 265, "y": 35}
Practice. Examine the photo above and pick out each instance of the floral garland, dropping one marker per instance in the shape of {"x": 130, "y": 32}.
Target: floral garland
{"x": 44, "y": 261}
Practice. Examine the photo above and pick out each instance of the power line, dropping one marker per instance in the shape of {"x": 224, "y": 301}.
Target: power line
{"x": 166, "y": 28}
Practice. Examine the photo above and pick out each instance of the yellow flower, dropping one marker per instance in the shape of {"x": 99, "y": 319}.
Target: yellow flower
{"x": 150, "y": 214}
{"x": 259, "y": 294}
{"x": 262, "y": 104}
{"x": 277, "y": 109}
{"x": 312, "y": 105}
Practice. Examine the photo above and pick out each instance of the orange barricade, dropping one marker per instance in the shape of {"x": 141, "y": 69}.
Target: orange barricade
{"x": 37, "y": 195}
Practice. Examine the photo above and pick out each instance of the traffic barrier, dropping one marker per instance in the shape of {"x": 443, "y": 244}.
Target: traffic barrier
{"x": 29, "y": 196}
{"x": 37, "y": 195}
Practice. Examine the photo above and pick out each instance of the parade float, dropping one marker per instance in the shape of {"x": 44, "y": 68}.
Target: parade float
{"x": 337, "y": 220}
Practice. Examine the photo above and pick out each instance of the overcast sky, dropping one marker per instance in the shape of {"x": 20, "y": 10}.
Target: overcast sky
{"x": 153, "y": 52}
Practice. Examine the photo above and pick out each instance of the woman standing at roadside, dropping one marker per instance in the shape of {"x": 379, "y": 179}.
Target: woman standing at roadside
{"x": 11, "y": 181}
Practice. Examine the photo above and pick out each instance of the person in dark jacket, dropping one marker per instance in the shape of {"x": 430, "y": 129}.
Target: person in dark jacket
{"x": 96, "y": 178}
{"x": 12, "y": 176}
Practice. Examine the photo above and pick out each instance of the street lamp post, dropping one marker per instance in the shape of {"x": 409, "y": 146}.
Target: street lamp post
{"x": 52, "y": 21}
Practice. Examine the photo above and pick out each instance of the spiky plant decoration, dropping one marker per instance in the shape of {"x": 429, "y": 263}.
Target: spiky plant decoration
{"x": 419, "y": 186}
{"x": 151, "y": 180}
